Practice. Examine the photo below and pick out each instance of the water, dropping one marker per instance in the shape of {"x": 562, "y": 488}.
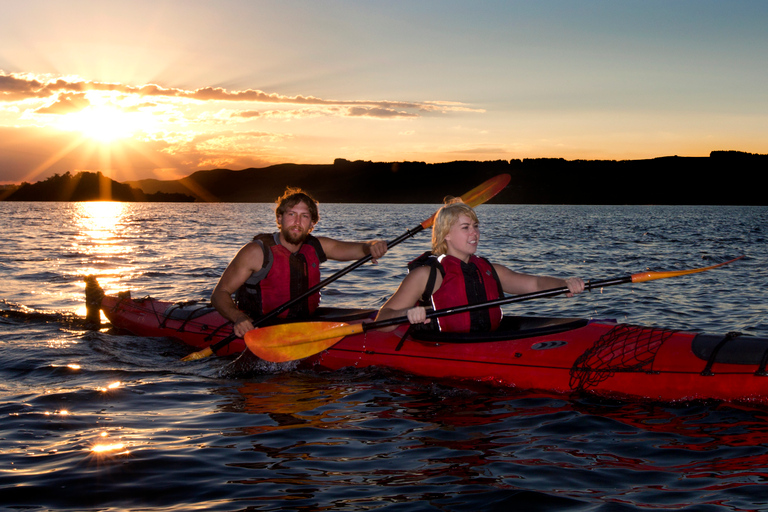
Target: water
{"x": 99, "y": 421}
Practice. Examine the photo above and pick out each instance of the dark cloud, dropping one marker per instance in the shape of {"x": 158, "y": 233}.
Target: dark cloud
{"x": 13, "y": 88}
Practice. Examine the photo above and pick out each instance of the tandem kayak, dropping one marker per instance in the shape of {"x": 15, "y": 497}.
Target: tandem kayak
{"x": 558, "y": 355}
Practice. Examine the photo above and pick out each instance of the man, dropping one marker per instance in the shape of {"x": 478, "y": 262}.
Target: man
{"x": 277, "y": 267}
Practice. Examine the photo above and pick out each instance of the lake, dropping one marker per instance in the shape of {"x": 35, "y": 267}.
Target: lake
{"x": 95, "y": 420}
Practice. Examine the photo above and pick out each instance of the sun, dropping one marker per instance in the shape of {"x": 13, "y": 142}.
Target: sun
{"x": 106, "y": 119}
{"x": 103, "y": 123}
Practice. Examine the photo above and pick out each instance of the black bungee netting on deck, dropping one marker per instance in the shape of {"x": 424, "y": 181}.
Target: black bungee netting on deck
{"x": 625, "y": 348}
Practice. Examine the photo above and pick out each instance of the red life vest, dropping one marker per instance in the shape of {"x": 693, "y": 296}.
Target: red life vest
{"x": 283, "y": 276}
{"x": 464, "y": 283}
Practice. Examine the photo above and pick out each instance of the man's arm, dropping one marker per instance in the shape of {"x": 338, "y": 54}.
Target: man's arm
{"x": 347, "y": 251}
{"x": 248, "y": 260}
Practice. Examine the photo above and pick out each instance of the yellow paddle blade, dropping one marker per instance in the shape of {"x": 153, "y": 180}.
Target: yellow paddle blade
{"x": 642, "y": 277}
{"x": 478, "y": 195}
{"x": 200, "y": 354}
{"x": 289, "y": 342}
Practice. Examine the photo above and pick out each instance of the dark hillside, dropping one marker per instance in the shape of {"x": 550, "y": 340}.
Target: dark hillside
{"x": 85, "y": 186}
{"x": 725, "y": 177}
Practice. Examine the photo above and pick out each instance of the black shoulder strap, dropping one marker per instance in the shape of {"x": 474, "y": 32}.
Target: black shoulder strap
{"x": 495, "y": 277}
{"x": 266, "y": 241}
{"x": 422, "y": 260}
{"x": 427, "y": 259}
{"x": 317, "y": 246}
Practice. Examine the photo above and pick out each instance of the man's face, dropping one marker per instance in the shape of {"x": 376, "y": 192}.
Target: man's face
{"x": 296, "y": 223}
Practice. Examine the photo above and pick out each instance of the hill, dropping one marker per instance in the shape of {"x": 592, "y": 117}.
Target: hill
{"x": 723, "y": 178}
{"x": 85, "y": 186}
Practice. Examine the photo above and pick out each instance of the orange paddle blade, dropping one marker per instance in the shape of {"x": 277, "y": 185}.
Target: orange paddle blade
{"x": 478, "y": 195}
{"x": 642, "y": 277}
{"x": 200, "y": 354}
{"x": 288, "y": 342}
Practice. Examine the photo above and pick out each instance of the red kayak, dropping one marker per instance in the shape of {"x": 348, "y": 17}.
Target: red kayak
{"x": 560, "y": 355}
{"x": 567, "y": 355}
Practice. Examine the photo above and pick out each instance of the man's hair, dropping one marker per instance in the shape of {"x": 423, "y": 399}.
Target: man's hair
{"x": 290, "y": 198}
{"x": 445, "y": 218}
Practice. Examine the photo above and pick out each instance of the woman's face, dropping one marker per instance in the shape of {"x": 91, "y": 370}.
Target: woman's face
{"x": 463, "y": 237}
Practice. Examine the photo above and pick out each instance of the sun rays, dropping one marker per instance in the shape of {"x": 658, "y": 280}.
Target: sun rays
{"x": 102, "y": 131}
{"x": 104, "y": 117}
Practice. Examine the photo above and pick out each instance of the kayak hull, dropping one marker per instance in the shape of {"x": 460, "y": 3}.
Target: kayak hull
{"x": 196, "y": 324}
{"x": 598, "y": 357}
{"x": 558, "y": 355}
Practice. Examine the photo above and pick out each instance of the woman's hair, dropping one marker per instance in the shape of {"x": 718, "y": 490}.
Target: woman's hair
{"x": 293, "y": 196}
{"x": 445, "y": 218}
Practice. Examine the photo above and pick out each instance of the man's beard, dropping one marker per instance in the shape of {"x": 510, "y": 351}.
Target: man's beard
{"x": 294, "y": 238}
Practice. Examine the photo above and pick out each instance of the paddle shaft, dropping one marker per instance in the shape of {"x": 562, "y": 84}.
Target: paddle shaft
{"x": 291, "y": 341}
{"x": 325, "y": 282}
{"x": 590, "y": 285}
{"x": 498, "y": 302}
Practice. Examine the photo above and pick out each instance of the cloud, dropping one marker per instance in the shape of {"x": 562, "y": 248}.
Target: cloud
{"x": 175, "y": 130}
{"x": 361, "y": 111}
{"x": 16, "y": 87}
{"x": 378, "y": 112}
{"x": 248, "y": 114}
{"x": 65, "y": 104}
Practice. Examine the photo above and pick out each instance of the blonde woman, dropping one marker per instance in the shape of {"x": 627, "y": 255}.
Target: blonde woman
{"x": 452, "y": 275}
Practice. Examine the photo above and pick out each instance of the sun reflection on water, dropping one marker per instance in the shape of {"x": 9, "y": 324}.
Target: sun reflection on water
{"x": 100, "y": 236}
{"x": 113, "y": 385}
{"x": 107, "y": 446}
{"x": 98, "y": 220}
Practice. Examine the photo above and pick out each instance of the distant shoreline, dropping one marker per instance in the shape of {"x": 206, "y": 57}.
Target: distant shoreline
{"x": 723, "y": 178}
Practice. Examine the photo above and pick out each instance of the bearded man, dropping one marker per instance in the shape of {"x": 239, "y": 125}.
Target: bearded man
{"x": 276, "y": 267}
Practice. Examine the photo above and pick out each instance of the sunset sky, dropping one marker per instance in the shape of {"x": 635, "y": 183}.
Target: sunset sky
{"x": 161, "y": 89}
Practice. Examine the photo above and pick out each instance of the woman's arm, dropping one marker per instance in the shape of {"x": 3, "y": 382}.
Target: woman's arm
{"x": 402, "y": 303}
{"x": 516, "y": 283}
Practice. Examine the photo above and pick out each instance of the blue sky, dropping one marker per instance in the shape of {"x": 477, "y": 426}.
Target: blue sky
{"x": 164, "y": 88}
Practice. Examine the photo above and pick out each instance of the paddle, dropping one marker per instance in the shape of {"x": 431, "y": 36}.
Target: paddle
{"x": 474, "y": 197}
{"x": 288, "y": 342}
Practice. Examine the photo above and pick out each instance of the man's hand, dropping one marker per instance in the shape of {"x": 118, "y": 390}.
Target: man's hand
{"x": 242, "y": 325}
{"x": 377, "y": 249}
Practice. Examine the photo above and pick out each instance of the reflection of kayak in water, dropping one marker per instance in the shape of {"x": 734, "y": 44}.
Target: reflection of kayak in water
{"x": 289, "y": 402}
{"x": 560, "y": 355}
{"x": 197, "y": 324}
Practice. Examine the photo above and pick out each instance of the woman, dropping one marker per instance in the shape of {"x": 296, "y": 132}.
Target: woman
{"x": 453, "y": 276}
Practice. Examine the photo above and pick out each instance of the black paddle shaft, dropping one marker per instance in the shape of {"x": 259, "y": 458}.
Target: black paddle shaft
{"x": 498, "y": 302}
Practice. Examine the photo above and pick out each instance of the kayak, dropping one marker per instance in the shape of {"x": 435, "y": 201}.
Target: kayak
{"x": 558, "y": 355}
{"x": 194, "y": 323}
{"x": 571, "y": 355}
